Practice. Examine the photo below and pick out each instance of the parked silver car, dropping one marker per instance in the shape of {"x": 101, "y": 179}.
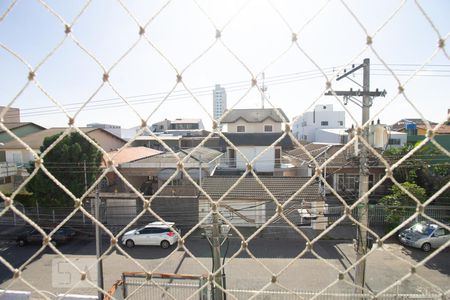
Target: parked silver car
{"x": 424, "y": 236}
{"x": 155, "y": 234}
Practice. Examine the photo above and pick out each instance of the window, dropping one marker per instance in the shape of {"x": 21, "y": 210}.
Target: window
{"x": 341, "y": 123}
{"x": 347, "y": 182}
{"x": 439, "y": 232}
{"x": 394, "y": 142}
{"x": 232, "y": 158}
{"x": 324, "y": 123}
{"x": 304, "y": 123}
{"x": 267, "y": 128}
{"x": 240, "y": 128}
{"x": 277, "y": 157}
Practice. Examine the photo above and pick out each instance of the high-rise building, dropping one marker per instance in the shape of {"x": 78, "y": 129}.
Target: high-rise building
{"x": 219, "y": 101}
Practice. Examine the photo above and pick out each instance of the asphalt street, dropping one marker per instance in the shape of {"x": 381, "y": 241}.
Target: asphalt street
{"x": 247, "y": 270}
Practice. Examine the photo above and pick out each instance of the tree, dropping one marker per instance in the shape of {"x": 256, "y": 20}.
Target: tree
{"x": 396, "y": 204}
{"x": 428, "y": 167}
{"x": 66, "y": 162}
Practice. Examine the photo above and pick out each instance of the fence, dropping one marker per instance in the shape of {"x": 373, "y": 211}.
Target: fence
{"x": 159, "y": 286}
{"x": 139, "y": 65}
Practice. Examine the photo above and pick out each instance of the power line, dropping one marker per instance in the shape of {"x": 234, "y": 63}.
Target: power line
{"x": 204, "y": 91}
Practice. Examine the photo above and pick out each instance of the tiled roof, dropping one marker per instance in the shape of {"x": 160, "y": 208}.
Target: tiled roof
{"x": 204, "y": 154}
{"x": 35, "y": 140}
{"x": 249, "y": 189}
{"x": 12, "y": 126}
{"x": 131, "y": 153}
{"x": 322, "y": 152}
{"x": 256, "y": 115}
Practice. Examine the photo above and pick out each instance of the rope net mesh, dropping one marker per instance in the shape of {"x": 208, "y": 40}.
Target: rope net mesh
{"x": 278, "y": 211}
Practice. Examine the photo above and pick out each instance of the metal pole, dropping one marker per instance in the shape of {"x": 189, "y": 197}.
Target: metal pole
{"x": 98, "y": 245}
{"x": 361, "y": 249}
{"x": 85, "y": 176}
{"x": 218, "y": 295}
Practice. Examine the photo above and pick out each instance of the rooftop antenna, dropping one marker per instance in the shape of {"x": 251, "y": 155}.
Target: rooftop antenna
{"x": 263, "y": 90}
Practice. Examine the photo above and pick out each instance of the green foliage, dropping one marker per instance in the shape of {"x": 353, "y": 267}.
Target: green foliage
{"x": 66, "y": 163}
{"x": 26, "y": 199}
{"x": 428, "y": 167}
{"x": 397, "y": 204}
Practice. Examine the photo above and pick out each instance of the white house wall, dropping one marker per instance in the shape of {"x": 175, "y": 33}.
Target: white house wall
{"x": 306, "y": 124}
{"x": 325, "y": 137}
{"x": 265, "y": 163}
{"x": 19, "y": 156}
{"x": 254, "y": 127}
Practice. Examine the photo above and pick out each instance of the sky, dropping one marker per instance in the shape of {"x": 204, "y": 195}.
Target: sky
{"x": 256, "y": 37}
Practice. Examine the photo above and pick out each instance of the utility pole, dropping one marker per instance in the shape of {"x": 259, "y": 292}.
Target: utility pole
{"x": 85, "y": 176}
{"x": 263, "y": 90}
{"x": 218, "y": 294}
{"x": 98, "y": 245}
{"x": 363, "y": 209}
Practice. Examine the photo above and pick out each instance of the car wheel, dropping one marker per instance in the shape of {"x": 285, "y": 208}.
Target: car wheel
{"x": 426, "y": 247}
{"x": 165, "y": 244}
{"x": 129, "y": 243}
{"x": 21, "y": 243}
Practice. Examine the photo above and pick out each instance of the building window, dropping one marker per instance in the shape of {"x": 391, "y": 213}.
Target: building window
{"x": 394, "y": 142}
{"x": 341, "y": 123}
{"x": 304, "y": 124}
{"x": 347, "y": 182}
{"x": 267, "y": 128}
{"x": 277, "y": 157}
{"x": 324, "y": 123}
{"x": 240, "y": 128}
{"x": 232, "y": 158}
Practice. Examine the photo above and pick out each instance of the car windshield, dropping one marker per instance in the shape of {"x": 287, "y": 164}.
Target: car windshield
{"x": 425, "y": 229}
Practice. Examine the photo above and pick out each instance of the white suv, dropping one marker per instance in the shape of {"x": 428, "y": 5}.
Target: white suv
{"x": 155, "y": 234}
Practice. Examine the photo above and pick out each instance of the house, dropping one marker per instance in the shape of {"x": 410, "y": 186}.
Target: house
{"x": 17, "y": 153}
{"x": 126, "y": 155}
{"x": 253, "y": 131}
{"x": 249, "y": 205}
{"x": 308, "y": 126}
{"x": 19, "y": 129}
{"x": 8, "y": 170}
{"x": 150, "y": 173}
{"x": 171, "y": 141}
{"x": 11, "y": 115}
{"x": 412, "y": 126}
{"x": 342, "y": 173}
{"x": 262, "y": 120}
{"x": 177, "y": 124}
{"x": 114, "y": 129}
{"x": 16, "y": 156}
